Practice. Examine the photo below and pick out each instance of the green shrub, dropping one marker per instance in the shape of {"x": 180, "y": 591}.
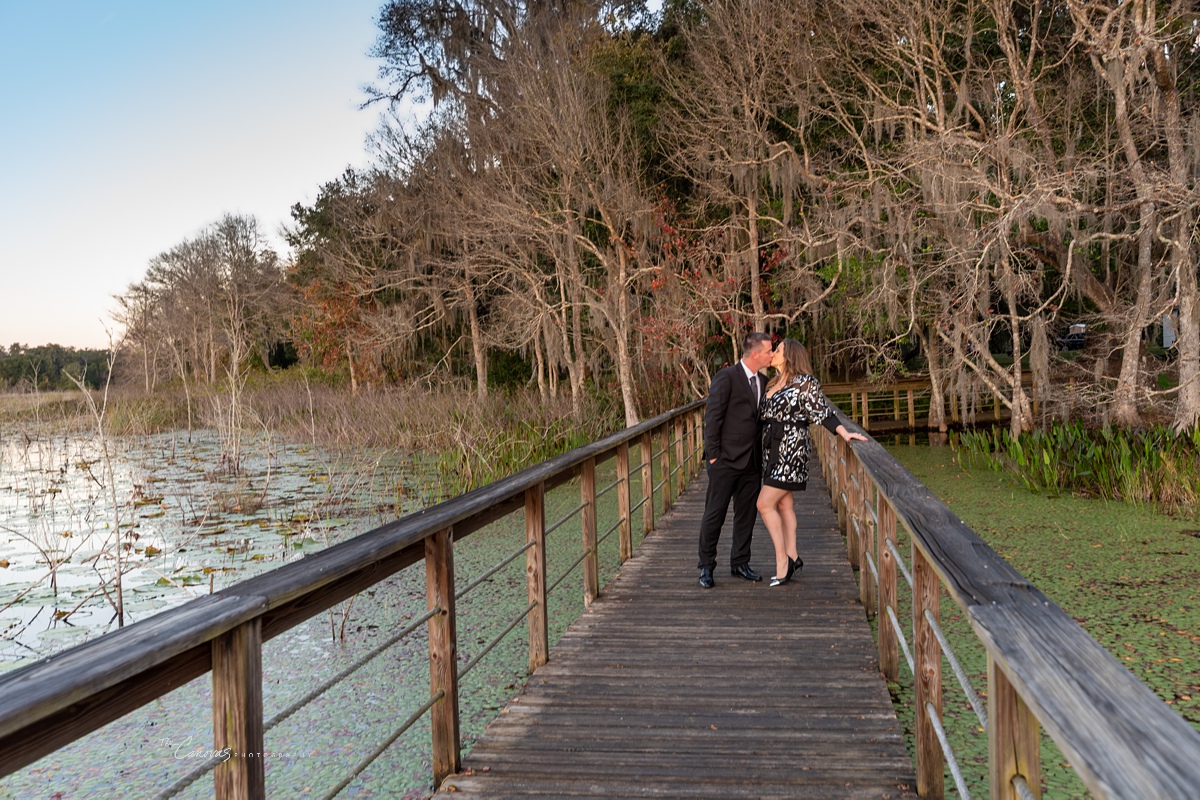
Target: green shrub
{"x": 1150, "y": 466}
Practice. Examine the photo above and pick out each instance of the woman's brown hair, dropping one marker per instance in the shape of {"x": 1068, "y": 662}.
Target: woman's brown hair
{"x": 795, "y": 362}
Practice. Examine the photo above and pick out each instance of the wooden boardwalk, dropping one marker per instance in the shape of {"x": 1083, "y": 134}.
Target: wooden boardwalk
{"x": 663, "y": 689}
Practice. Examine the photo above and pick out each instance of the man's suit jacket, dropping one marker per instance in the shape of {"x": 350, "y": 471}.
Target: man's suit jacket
{"x": 731, "y": 419}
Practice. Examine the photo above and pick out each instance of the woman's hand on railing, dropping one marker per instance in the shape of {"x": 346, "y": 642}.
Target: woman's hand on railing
{"x": 848, "y": 436}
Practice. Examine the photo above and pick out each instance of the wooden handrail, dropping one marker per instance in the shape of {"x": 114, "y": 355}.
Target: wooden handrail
{"x": 1044, "y": 668}
{"x": 53, "y": 702}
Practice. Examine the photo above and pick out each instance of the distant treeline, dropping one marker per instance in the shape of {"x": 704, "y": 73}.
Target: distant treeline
{"x": 48, "y": 367}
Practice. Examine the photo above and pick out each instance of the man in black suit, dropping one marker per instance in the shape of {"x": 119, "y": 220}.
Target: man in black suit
{"x": 733, "y": 450}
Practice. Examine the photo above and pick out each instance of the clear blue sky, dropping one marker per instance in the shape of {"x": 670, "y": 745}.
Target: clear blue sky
{"x": 126, "y": 126}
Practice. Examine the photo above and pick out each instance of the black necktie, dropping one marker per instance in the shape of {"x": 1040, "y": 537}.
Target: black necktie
{"x": 754, "y": 388}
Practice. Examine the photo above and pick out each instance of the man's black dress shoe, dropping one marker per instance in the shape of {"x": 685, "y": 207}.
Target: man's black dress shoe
{"x": 744, "y": 571}
{"x": 706, "y": 578}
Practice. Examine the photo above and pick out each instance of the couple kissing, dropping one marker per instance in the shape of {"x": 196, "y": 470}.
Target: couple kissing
{"x": 757, "y": 447}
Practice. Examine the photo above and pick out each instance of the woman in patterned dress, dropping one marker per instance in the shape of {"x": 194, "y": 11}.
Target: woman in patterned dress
{"x": 793, "y": 402}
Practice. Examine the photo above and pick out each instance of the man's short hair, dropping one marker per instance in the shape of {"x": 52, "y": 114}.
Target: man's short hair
{"x": 754, "y": 340}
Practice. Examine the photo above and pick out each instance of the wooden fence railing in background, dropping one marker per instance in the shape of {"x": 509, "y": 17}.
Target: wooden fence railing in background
{"x": 52, "y": 703}
{"x": 905, "y": 404}
{"x": 1043, "y": 668}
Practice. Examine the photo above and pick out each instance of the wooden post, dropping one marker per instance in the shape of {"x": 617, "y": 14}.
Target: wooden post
{"x": 689, "y": 455}
{"x": 1013, "y": 738}
{"x": 866, "y": 579}
{"x": 853, "y": 522}
{"x": 535, "y": 573}
{"x": 665, "y": 467}
{"x": 647, "y": 482}
{"x": 889, "y": 650}
{"x": 912, "y": 410}
{"x": 625, "y": 532}
{"x": 831, "y": 464}
{"x": 587, "y": 498}
{"x": 853, "y": 403}
{"x": 927, "y": 659}
{"x": 443, "y": 654}
{"x": 680, "y": 461}
{"x": 698, "y": 429}
{"x": 866, "y": 411}
{"x": 238, "y": 712}
{"x": 896, "y": 404}
{"x": 840, "y": 457}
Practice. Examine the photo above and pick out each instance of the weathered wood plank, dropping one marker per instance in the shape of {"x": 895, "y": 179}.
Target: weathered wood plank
{"x": 238, "y": 712}
{"x": 928, "y": 678}
{"x": 1014, "y": 743}
{"x": 535, "y": 572}
{"x": 587, "y": 526}
{"x": 443, "y": 653}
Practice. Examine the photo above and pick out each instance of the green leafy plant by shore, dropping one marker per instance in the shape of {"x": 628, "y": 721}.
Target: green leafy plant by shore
{"x": 1154, "y": 467}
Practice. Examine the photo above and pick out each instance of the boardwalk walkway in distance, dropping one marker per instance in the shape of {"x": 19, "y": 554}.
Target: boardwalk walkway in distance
{"x": 664, "y": 689}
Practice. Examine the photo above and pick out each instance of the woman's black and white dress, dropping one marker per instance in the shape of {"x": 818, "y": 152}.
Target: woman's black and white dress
{"x": 786, "y": 444}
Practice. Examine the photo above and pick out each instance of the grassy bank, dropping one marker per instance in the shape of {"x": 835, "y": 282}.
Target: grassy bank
{"x": 1128, "y": 575}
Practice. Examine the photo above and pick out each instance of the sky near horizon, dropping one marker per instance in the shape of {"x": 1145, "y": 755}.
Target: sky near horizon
{"x": 127, "y": 126}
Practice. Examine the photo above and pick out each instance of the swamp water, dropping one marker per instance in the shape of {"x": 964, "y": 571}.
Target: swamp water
{"x": 188, "y": 528}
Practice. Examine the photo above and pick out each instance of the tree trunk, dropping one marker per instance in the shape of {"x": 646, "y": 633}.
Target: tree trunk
{"x": 622, "y": 328}
{"x": 350, "y": 361}
{"x": 477, "y": 346}
{"x": 1021, "y": 419}
{"x": 937, "y": 397}
{"x": 756, "y": 301}
{"x": 1187, "y": 408}
{"x": 1125, "y": 410}
{"x": 1187, "y": 412}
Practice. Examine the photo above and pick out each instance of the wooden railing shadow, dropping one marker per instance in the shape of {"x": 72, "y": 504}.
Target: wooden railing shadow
{"x": 47, "y": 705}
{"x": 1043, "y": 669}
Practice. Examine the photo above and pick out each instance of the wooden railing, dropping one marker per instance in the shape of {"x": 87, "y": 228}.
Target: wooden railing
{"x": 905, "y": 404}
{"x": 1043, "y": 668}
{"x": 54, "y": 702}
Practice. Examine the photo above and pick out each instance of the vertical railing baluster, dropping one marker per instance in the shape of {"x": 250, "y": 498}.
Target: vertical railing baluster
{"x": 840, "y": 458}
{"x": 681, "y": 476}
{"x": 685, "y": 442}
{"x": 443, "y": 653}
{"x": 869, "y": 533}
{"x": 664, "y": 466}
{"x": 625, "y": 534}
{"x": 896, "y": 404}
{"x": 866, "y": 411}
{"x": 889, "y": 650}
{"x": 238, "y": 712}
{"x": 912, "y": 410}
{"x": 535, "y": 572}
{"x": 587, "y": 519}
{"x": 698, "y": 432}
{"x": 854, "y": 525}
{"x": 1014, "y": 746}
{"x": 928, "y": 678}
{"x": 647, "y": 482}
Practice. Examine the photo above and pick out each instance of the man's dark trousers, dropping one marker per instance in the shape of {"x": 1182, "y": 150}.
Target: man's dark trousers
{"x": 731, "y": 437}
{"x": 742, "y": 486}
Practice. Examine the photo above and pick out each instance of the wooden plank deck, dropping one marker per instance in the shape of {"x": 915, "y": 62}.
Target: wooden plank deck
{"x": 664, "y": 689}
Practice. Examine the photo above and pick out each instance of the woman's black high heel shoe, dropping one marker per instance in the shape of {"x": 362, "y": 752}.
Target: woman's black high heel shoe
{"x": 794, "y": 566}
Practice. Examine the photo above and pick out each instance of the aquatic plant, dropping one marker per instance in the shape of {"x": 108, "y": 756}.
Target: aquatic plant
{"x": 1152, "y": 466}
